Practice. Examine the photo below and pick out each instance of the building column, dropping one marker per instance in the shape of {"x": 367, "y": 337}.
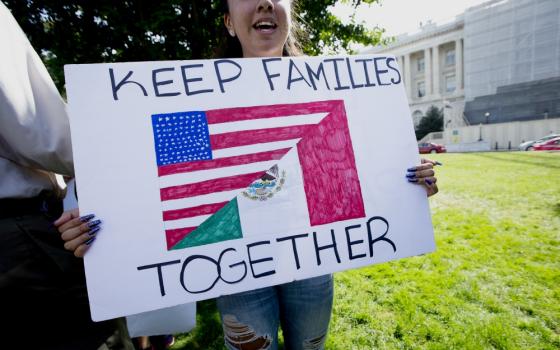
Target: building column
{"x": 428, "y": 71}
{"x": 459, "y": 64}
{"x": 435, "y": 71}
{"x": 407, "y": 76}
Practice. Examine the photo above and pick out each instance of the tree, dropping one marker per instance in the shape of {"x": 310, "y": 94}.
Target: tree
{"x": 83, "y": 31}
{"x": 328, "y": 34}
{"x": 432, "y": 121}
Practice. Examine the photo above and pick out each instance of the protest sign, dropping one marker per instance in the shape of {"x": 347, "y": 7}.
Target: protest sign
{"x": 217, "y": 176}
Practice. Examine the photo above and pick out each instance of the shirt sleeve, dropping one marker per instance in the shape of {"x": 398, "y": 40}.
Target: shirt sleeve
{"x": 34, "y": 127}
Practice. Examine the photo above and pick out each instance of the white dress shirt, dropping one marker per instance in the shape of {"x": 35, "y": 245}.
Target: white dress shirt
{"x": 34, "y": 129}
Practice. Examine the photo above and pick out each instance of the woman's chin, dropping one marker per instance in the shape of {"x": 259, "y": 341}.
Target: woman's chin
{"x": 264, "y": 51}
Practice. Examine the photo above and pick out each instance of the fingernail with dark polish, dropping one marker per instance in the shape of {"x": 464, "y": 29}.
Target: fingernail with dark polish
{"x": 86, "y": 218}
{"x": 428, "y": 181}
{"x": 411, "y": 169}
{"x": 89, "y": 241}
{"x": 411, "y": 175}
{"x": 93, "y": 231}
{"x": 412, "y": 180}
{"x": 438, "y": 163}
{"x": 94, "y": 223}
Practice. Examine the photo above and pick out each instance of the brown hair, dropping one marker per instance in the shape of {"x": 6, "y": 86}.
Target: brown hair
{"x": 230, "y": 47}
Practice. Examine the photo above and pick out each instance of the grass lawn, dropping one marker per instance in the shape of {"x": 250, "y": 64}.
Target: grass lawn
{"x": 493, "y": 283}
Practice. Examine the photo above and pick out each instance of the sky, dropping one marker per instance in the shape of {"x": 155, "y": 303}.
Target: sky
{"x": 404, "y": 16}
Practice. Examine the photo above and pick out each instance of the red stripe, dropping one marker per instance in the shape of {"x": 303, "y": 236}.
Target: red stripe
{"x": 209, "y": 186}
{"x": 226, "y": 115}
{"x": 251, "y": 137}
{"x": 221, "y": 162}
{"x": 330, "y": 178}
{"x": 175, "y": 236}
{"x": 191, "y": 212}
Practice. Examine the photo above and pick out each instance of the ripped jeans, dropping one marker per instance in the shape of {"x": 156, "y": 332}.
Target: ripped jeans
{"x": 303, "y": 308}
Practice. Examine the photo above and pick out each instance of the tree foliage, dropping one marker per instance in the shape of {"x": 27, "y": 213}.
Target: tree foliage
{"x": 328, "y": 34}
{"x": 431, "y": 122}
{"x": 83, "y": 31}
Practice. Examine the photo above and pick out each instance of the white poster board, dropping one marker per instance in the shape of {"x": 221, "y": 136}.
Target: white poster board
{"x": 214, "y": 177}
{"x": 170, "y": 320}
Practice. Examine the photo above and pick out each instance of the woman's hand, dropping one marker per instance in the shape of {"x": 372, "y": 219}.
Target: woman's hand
{"x": 424, "y": 174}
{"x": 78, "y": 232}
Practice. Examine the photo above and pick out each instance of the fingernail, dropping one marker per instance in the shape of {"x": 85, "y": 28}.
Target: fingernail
{"x": 411, "y": 169}
{"x": 438, "y": 163}
{"x": 412, "y": 180}
{"x": 89, "y": 241}
{"x": 86, "y": 218}
{"x": 428, "y": 181}
{"x": 93, "y": 231}
{"x": 411, "y": 175}
{"x": 94, "y": 223}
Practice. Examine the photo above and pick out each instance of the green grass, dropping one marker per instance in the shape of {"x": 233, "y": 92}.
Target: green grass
{"x": 493, "y": 283}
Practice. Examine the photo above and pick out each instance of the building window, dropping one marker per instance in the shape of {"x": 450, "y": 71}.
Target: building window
{"x": 421, "y": 64}
{"x": 450, "y": 57}
{"x": 450, "y": 84}
{"x": 421, "y": 89}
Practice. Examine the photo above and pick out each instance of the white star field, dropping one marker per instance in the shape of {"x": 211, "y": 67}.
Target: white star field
{"x": 181, "y": 137}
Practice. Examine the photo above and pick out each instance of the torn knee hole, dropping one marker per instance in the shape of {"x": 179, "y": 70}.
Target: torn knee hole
{"x": 243, "y": 337}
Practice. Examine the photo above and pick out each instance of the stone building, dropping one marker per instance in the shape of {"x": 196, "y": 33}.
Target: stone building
{"x": 512, "y": 61}
{"x": 431, "y": 62}
{"x": 498, "y": 62}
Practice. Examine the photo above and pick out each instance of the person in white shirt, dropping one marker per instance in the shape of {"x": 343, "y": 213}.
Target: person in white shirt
{"x": 42, "y": 287}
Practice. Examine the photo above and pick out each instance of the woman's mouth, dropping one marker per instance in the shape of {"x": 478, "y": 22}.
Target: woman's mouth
{"x": 265, "y": 26}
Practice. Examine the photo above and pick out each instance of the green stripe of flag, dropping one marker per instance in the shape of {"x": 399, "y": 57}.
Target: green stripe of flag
{"x": 222, "y": 226}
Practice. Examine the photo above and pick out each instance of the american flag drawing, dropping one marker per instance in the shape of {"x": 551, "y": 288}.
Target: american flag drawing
{"x": 206, "y": 158}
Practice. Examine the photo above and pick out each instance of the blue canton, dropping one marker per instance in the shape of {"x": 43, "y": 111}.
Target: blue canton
{"x": 181, "y": 137}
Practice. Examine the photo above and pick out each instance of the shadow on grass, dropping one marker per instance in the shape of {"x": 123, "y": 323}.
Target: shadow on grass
{"x": 532, "y": 155}
{"x": 516, "y": 160}
{"x": 556, "y": 209}
{"x": 208, "y": 331}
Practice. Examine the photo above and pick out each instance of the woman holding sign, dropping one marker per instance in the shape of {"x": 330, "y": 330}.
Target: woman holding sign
{"x": 261, "y": 28}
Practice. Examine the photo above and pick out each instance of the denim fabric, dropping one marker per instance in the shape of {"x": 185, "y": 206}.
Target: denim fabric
{"x": 303, "y": 308}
